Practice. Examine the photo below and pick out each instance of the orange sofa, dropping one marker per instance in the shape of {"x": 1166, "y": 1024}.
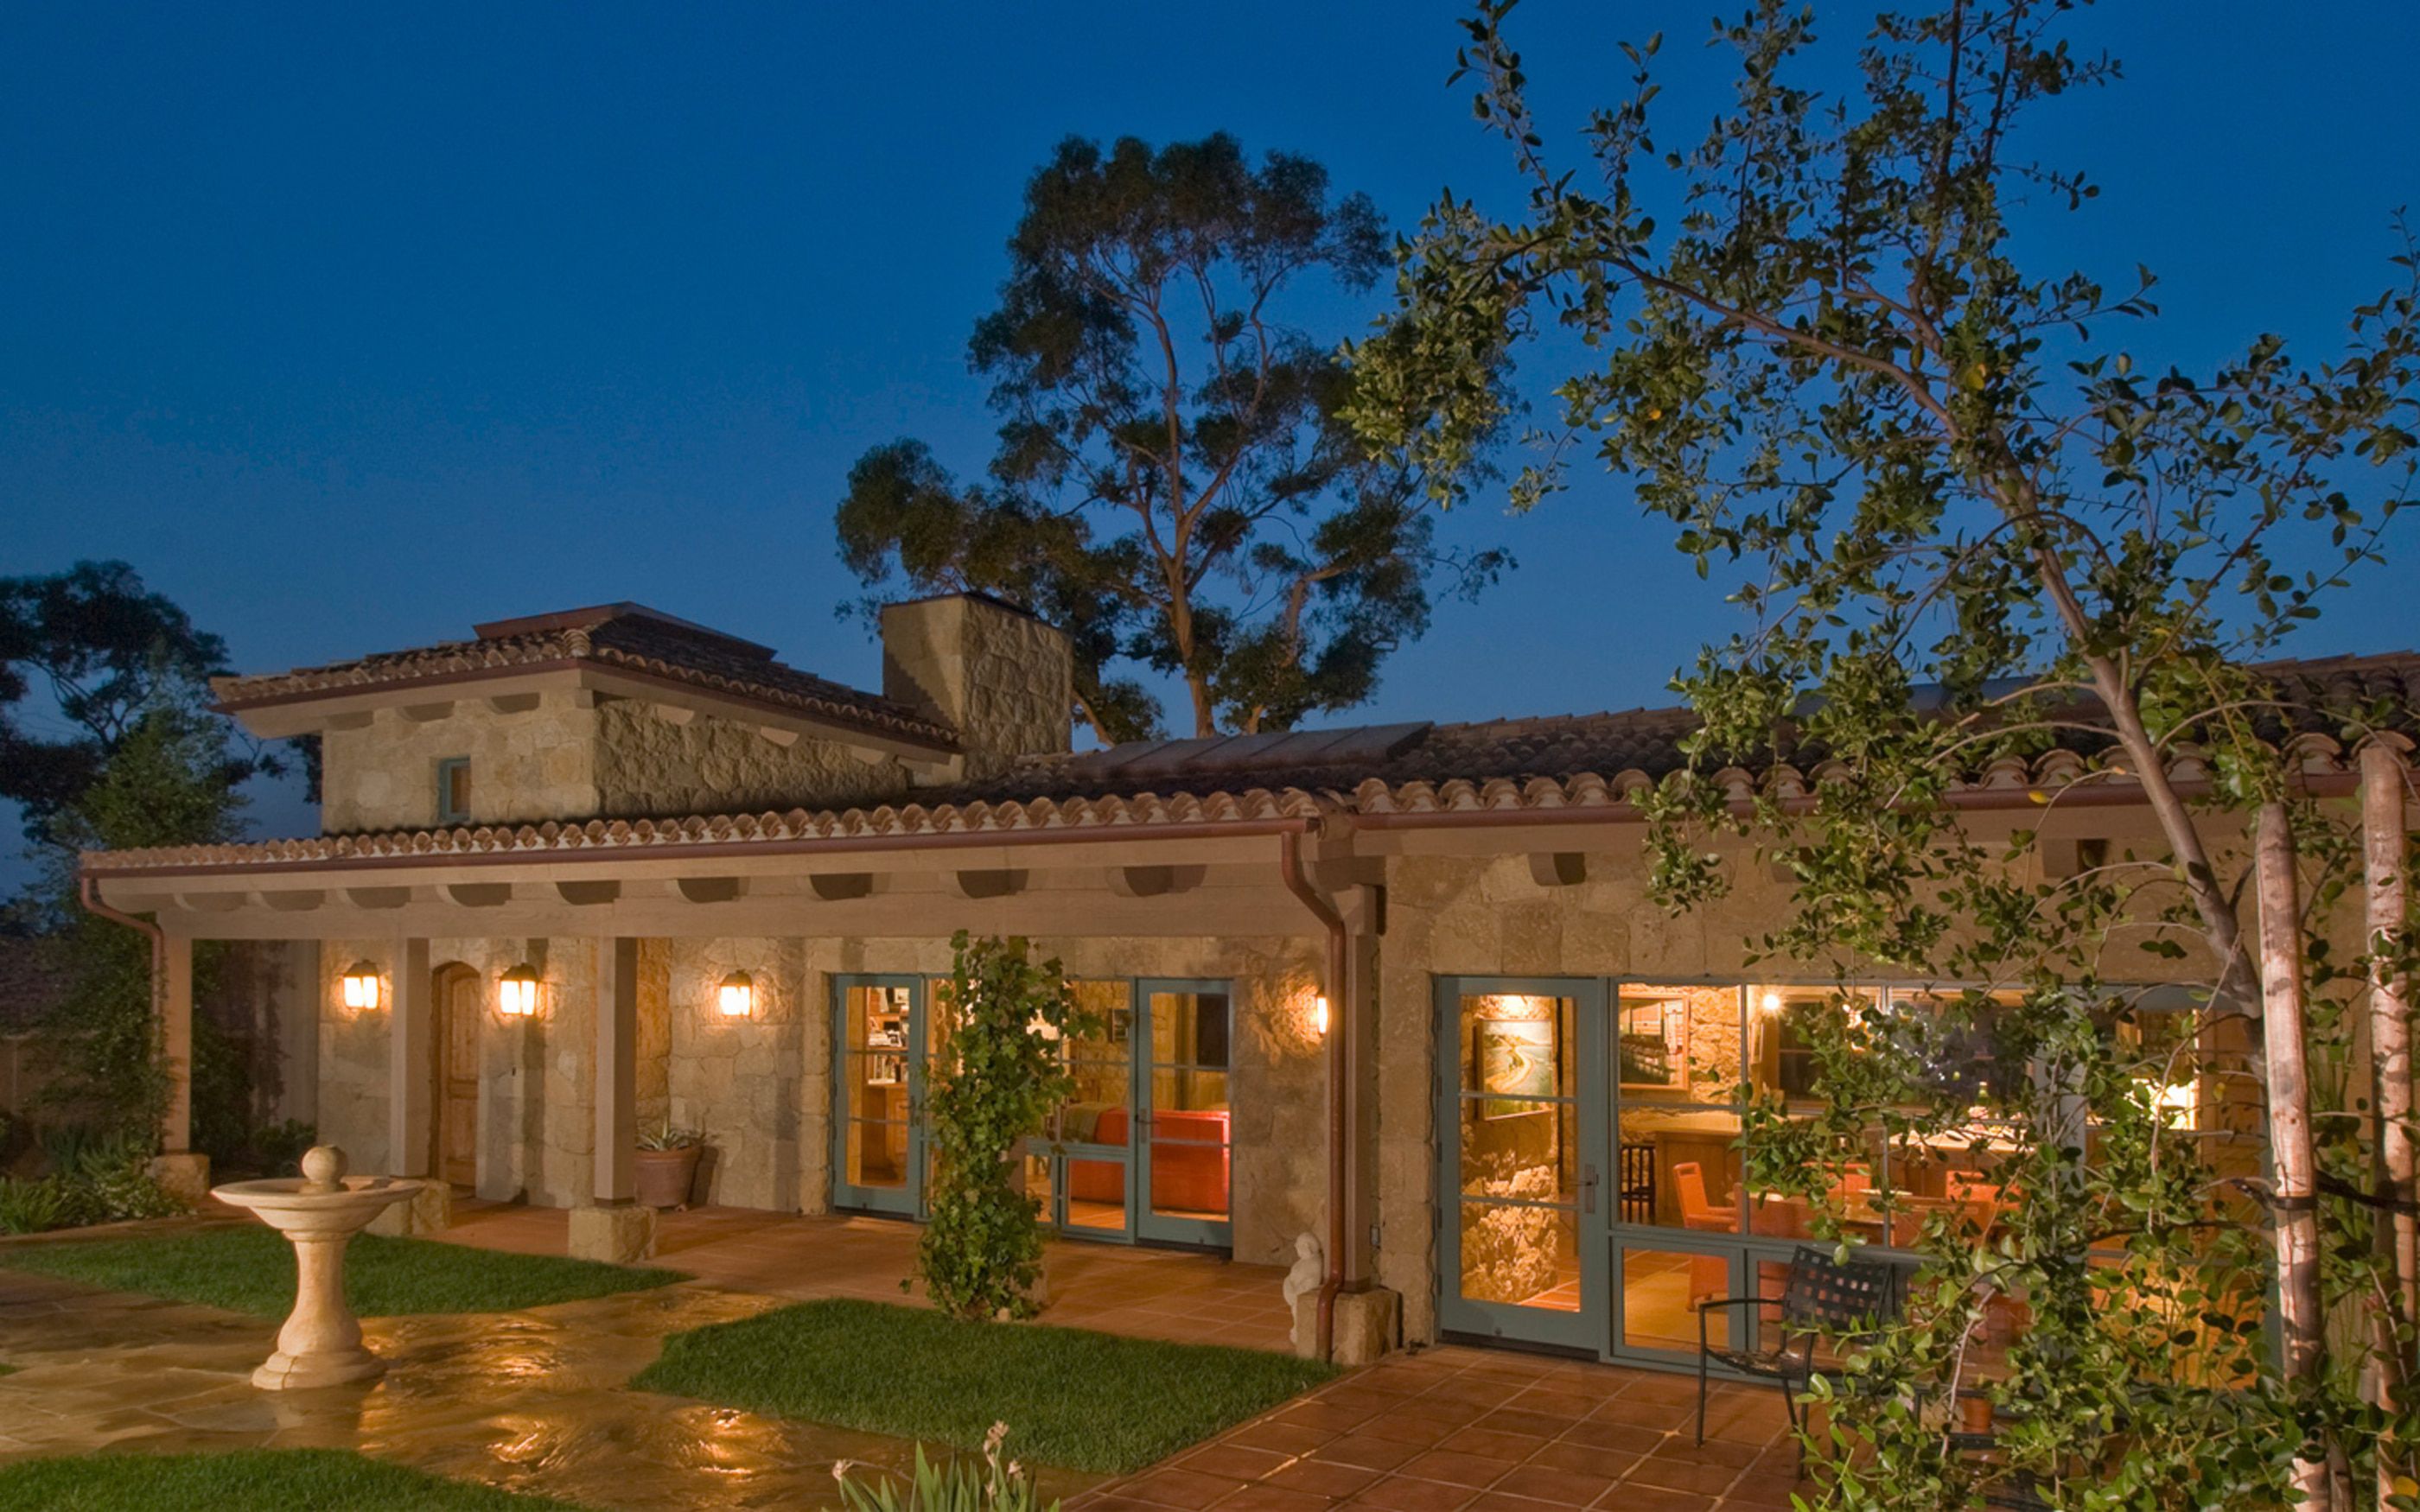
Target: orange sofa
{"x": 1189, "y": 1162}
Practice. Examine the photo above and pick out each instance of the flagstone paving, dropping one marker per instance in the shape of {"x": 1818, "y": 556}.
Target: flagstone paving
{"x": 531, "y": 1401}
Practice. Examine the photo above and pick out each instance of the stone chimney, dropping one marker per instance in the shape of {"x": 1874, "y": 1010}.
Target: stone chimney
{"x": 1003, "y": 677}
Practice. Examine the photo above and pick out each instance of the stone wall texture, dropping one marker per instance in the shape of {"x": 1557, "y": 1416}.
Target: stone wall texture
{"x": 647, "y": 765}
{"x": 1005, "y": 679}
{"x": 736, "y": 1080}
{"x": 535, "y": 765}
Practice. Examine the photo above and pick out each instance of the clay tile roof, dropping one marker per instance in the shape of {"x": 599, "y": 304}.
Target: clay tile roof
{"x": 621, "y": 637}
{"x": 1577, "y": 762}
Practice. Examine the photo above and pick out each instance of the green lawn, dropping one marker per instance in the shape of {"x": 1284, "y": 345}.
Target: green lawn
{"x": 251, "y": 1269}
{"x": 246, "y": 1480}
{"x": 1070, "y": 1397}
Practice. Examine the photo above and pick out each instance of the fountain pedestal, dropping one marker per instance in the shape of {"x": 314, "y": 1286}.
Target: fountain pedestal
{"x": 321, "y": 1344}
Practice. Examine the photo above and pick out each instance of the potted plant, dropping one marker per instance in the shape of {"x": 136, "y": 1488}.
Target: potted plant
{"x": 668, "y": 1164}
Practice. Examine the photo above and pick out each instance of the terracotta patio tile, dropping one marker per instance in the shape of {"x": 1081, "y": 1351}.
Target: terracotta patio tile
{"x": 1321, "y": 1477}
{"x": 1177, "y": 1486}
{"x": 1535, "y": 1424}
{"x": 1548, "y": 1483}
{"x": 1264, "y": 1497}
{"x": 1586, "y": 1458}
{"x": 1234, "y": 1461}
{"x": 1366, "y": 1447}
{"x": 1285, "y": 1438}
{"x": 1474, "y": 1470}
{"x": 1681, "y": 1475}
{"x": 1505, "y": 1446}
{"x": 1400, "y": 1493}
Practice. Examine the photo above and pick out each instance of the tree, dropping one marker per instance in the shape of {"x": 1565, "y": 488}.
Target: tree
{"x": 103, "y": 648}
{"x": 997, "y": 1072}
{"x": 1174, "y": 484}
{"x": 165, "y": 784}
{"x": 1967, "y": 527}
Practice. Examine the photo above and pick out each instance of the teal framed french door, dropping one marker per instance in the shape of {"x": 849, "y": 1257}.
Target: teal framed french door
{"x": 881, "y": 1040}
{"x": 1086, "y": 1175}
{"x": 1185, "y": 1151}
{"x": 1524, "y": 1101}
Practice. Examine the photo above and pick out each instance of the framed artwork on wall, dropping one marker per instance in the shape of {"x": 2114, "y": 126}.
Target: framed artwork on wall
{"x": 1516, "y": 1060}
{"x": 1653, "y": 1043}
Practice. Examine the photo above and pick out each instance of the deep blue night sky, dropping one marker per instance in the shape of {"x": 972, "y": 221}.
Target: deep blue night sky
{"x": 348, "y": 326}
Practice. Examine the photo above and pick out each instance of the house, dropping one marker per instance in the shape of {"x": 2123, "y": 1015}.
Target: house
{"x": 1397, "y": 986}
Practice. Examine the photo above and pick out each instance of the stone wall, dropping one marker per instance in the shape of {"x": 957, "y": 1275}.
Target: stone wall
{"x": 537, "y": 1125}
{"x": 736, "y": 1081}
{"x": 648, "y": 766}
{"x": 535, "y": 765}
{"x": 1005, "y": 679}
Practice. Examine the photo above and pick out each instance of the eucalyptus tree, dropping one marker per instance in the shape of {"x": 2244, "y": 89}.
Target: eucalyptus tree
{"x": 1967, "y": 526}
{"x": 1173, "y": 483}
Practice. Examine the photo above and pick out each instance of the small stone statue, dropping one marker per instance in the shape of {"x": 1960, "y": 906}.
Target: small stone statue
{"x": 1310, "y": 1271}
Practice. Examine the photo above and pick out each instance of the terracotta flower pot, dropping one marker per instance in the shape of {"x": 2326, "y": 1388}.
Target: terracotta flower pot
{"x": 665, "y": 1175}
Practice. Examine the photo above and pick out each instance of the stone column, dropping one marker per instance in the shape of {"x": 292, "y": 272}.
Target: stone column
{"x": 616, "y": 1229}
{"x": 410, "y": 1063}
{"x": 179, "y": 1167}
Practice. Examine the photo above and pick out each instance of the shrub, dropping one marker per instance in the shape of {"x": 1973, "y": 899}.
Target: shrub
{"x": 961, "y": 1485}
{"x": 32, "y": 1207}
{"x": 104, "y": 1177}
{"x": 996, "y": 1076}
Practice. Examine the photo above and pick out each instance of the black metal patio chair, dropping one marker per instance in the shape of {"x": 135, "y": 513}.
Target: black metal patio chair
{"x": 1820, "y": 1297}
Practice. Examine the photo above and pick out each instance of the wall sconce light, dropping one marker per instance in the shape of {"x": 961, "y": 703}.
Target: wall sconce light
{"x": 736, "y": 998}
{"x": 1319, "y": 1015}
{"x": 361, "y": 986}
{"x": 516, "y": 993}
{"x": 1771, "y": 1005}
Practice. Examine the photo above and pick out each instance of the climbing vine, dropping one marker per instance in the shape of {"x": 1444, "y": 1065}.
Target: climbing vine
{"x": 997, "y": 1072}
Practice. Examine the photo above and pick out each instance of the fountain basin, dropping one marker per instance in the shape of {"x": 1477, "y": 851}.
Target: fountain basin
{"x": 319, "y": 1213}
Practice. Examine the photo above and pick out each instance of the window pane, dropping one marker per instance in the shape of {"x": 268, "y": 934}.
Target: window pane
{"x": 1783, "y": 1026}
{"x": 1679, "y": 1168}
{"x": 1520, "y": 1149}
{"x": 1660, "y": 1292}
{"x": 1188, "y": 1029}
{"x": 876, "y": 1153}
{"x": 1679, "y": 1045}
{"x": 1517, "y": 1044}
{"x": 1528, "y": 1256}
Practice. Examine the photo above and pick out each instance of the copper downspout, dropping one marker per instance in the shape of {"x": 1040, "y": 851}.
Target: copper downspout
{"x": 1340, "y": 1048}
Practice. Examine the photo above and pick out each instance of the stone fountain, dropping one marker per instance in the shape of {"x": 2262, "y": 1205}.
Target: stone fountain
{"x": 322, "y": 1342}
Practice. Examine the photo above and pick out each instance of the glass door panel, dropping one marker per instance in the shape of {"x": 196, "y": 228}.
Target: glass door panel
{"x": 1525, "y": 1106}
{"x": 1187, "y": 1156}
{"x": 878, "y": 1094}
{"x": 1093, "y": 1132}
{"x": 1661, "y": 1289}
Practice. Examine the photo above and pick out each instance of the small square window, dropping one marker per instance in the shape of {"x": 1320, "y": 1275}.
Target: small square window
{"x": 454, "y": 790}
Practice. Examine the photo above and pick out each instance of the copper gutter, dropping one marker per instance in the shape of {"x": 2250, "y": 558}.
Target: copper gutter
{"x": 1340, "y": 1046}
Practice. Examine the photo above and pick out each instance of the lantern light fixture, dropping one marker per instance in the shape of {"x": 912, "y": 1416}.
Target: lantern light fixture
{"x": 517, "y": 991}
{"x": 1319, "y": 1015}
{"x": 361, "y": 986}
{"x": 736, "y": 998}
{"x": 1771, "y": 1004}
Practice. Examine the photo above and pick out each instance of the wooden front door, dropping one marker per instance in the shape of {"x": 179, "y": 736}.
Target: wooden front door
{"x": 457, "y": 1076}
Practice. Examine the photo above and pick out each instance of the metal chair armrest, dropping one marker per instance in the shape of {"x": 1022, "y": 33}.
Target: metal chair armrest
{"x": 1738, "y": 1301}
